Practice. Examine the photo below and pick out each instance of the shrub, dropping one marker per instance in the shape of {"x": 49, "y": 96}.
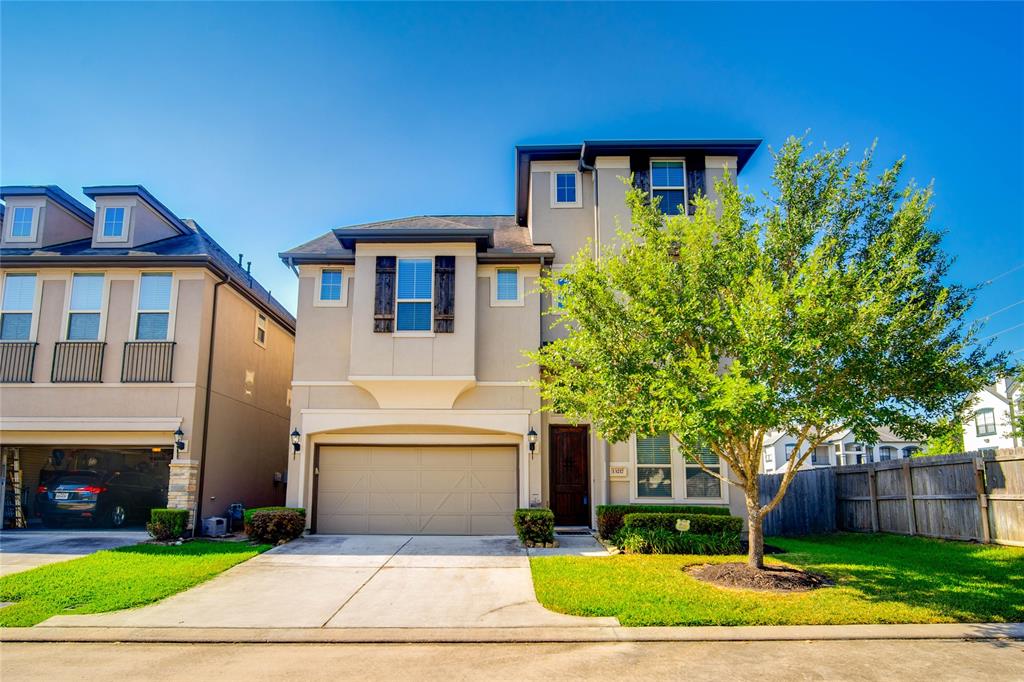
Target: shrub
{"x": 664, "y": 541}
{"x": 700, "y": 524}
{"x": 609, "y": 516}
{"x": 167, "y": 524}
{"x": 276, "y": 526}
{"x": 247, "y": 514}
{"x": 534, "y": 526}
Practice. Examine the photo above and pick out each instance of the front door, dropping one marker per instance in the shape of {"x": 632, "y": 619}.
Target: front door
{"x": 570, "y": 475}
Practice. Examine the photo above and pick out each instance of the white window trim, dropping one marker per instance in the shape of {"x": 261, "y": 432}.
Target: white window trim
{"x": 265, "y": 327}
{"x": 37, "y": 295}
{"x": 678, "y": 480}
{"x": 345, "y": 284}
{"x": 137, "y": 292}
{"x": 520, "y": 301}
{"x": 37, "y": 210}
{"x": 125, "y": 226}
{"x": 66, "y": 322}
{"x": 417, "y": 333}
{"x": 554, "y": 189}
{"x": 978, "y": 423}
{"x": 686, "y": 190}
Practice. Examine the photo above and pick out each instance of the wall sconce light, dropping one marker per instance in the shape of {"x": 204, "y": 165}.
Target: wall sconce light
{"x": 531, "y": 438}
{"x": 296, "y": 440}
{"x": 179, "y": 439}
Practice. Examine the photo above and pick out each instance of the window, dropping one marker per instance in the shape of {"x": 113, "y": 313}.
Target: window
{"x": 985, "y": 422}
{"x": 113, "y": 222}
{"x": 885, "y": 453}
{"x": 668, "y": 182}
{"x": 790, "y": 447}
{"x": 654, "y": 466}
{"x": 85, "y": 307}
{"x": 700, "y": 483}
{"x": 508, "y": 284}
{"x": 330, "y": 285}
{"x": 261, "y": 330}
{"x": 153, "y": 316}
{"x": 415, "y": 287}
{"x": 565, "y": 190}
{"x": 22, "y": 222}
{"x": 18, "y": 303}
{"x": 769, "y": 457}
{"x": 820, "y": 455}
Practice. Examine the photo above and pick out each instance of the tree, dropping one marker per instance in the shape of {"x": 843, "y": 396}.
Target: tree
{"x": 947, "y": 439}
{"x": 820, "y": 308}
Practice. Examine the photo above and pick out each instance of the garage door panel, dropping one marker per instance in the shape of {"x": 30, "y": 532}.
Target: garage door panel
{"x": 410, "y": 490}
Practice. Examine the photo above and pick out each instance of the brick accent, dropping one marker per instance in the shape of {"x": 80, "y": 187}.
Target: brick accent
{"x": 183, "y": 486}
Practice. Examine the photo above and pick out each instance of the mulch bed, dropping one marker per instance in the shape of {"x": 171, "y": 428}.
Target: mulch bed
{"x": 770, "y": 578}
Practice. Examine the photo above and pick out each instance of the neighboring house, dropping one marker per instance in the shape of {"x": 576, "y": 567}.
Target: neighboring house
{"x": 842, "y": 449}
{"x": 411, "y": 397}
{"x": 122, "y": 326}
{"x": 989, "y": 426}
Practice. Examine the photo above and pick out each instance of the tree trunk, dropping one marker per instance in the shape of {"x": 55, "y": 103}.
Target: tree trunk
{"x": 755, "y": 532}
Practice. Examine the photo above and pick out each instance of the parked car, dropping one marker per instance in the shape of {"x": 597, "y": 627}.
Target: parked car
{"x": 101, "y": 497}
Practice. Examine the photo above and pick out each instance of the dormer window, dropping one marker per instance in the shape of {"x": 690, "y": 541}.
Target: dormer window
{"x": 668, "y": 182}
{"x": 113, "y": 222}
{"x": 565, "y": 190}
{"x": 22, "y": 223}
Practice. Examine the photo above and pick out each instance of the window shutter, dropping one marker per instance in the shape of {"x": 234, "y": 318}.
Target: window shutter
{"x": 694, "y": 186}
{"x": 642, "y": 180}
{"x": 444, "y": 294}
{"x": 384, "y": 296}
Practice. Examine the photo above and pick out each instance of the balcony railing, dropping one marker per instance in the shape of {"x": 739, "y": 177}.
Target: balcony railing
{"x": 147, "y": 361}
{"x": 77, "y": 362}
{"x": 17, "y": 359}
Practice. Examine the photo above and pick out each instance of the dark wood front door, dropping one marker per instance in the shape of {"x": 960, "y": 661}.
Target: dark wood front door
{"x": 570, "y": 475}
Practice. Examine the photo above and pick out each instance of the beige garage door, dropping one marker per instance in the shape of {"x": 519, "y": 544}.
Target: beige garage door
{"x": 416, "y": 490}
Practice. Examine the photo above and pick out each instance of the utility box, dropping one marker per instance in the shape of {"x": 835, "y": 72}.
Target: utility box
{"x": 215, "y": 526}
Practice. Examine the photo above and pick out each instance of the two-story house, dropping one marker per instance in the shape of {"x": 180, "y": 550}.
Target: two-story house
{"x": 132, "y": 344}
{"x": 843, "y": 448}
{"x": 411, "y": 394}
{"x": 996, "y": 408}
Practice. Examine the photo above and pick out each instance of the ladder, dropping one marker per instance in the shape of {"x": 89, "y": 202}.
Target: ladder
{"x": 11, "y": 488}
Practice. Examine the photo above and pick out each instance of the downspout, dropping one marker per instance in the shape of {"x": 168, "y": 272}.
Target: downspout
{"x": 206, "y": 410}
{"x": 291, "y": 264}
{"x": 597, "y": 215}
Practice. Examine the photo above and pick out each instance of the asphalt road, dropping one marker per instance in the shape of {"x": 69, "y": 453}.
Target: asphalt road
{"x": 820, "y": 660}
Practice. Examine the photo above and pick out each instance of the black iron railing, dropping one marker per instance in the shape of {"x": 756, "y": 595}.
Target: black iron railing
{"x": 77, "y": 362}
{"x": 17, "y": 359}
{"x": 147, "y": 361}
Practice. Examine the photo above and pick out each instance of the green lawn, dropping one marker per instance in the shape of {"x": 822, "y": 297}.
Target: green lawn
{"x": 115, "y": 579}
{"x": 880, "y": 579}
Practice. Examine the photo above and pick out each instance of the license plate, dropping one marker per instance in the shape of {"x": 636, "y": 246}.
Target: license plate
{"x": 60, "y": 496}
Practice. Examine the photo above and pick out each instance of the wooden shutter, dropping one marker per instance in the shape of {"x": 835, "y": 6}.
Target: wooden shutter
{"x": 444, "y": 294}
{"x": 694, "y": 186}
{"x": 384, "y": 296}
{"x": 642, "y": 180}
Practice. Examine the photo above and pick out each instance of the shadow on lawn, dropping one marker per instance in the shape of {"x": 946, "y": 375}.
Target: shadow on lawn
{"x": 963, "y": 581}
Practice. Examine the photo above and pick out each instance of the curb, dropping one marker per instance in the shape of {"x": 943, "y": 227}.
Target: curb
{"x": 942, "y": 631}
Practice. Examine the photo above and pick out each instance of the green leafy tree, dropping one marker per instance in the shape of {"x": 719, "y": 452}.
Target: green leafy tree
{"x": 823, "y": 307}
{"x": 947, "y": 439}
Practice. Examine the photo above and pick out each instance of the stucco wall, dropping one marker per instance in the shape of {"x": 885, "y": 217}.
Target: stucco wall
{"x": 54, "y": 224}
{"x": 504, "y": 332}
{"x": 142, "y": 224}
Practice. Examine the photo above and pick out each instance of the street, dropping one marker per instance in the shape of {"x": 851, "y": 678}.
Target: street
{"x": 932, "y": 660}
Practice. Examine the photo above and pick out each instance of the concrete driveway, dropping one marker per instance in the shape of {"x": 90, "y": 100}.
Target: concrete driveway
{"x": 364, "y": 581}
{"x": 21, "y": 550}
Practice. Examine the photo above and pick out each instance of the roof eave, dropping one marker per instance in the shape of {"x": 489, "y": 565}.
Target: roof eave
{"x": 138, "y": 190}
{"x": 483, "y": 237}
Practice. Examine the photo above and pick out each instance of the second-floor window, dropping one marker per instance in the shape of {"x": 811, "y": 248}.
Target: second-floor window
{"x": 985, "y": 422}
{"x": 152, "y": 319}
{"x": 22, "y": 222}
{"x": 18, "y": 303}
{"x": 113, "y": 222}
{"x": 86, "y": 307}
{"x": 790, "y": 447}
{"x": 415, "y": 289}
{"x": 668, "y": 182}
{"x": 330, "y": 285}
{"x": 261, "y": 330}
{"x": 508, "y": 284}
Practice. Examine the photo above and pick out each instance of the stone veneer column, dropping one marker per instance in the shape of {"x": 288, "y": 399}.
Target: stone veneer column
{"x": 183, "y": 486}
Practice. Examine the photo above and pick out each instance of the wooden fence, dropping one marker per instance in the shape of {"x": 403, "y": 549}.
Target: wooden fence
{"x": 971, "y": 496}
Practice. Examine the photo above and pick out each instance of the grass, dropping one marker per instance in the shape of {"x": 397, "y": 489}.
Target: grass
{"x": 115, "y": 579}
{"x": 879, "y": 579}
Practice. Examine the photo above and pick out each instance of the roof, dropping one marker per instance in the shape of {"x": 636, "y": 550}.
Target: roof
{"x": 53, "y": 193}
{"x": 142, "y": 193}
{"x": 196, "y": 248}
{"x": 498, "y": 238}
{"x": 639, "y": 151}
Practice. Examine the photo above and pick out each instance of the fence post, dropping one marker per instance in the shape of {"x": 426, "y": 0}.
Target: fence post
{"x": 873, "y": 493}
{"x": 908, "y": 489}
{"x": 979, "y": 484}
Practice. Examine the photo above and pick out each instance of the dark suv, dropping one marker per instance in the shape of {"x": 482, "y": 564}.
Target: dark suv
{"x": 109, "y": 498}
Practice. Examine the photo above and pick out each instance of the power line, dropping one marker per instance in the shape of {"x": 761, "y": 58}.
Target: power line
{"x": 1004, "y": 274}
{"x": 1002, "y": 331}
{"x": 986, "y": 318}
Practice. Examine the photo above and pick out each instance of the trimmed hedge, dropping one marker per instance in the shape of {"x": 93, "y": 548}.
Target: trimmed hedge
{"x": 247, "y": 514}
{"x": 534, "y": 526}
{"x": 167, "y": 524}
{"x": 663, "y": 541}
{"x": 609, "y": 516}
{"x": 276, "y": 526}
{"x": 700, "y": 524}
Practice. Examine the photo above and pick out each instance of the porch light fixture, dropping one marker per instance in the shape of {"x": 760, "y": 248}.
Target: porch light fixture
{"x": 296, "y": 440}
{"x": 179, "y": 439}
{"x": 531, "y": 438}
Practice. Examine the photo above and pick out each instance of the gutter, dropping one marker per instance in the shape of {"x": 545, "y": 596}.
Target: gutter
{"x": 206, "y": 410}
{"x": 597, "y": 216}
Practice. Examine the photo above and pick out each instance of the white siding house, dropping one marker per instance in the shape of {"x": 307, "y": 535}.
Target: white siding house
{"x": 844, "y": 448}
{"x": 988, "y": 427}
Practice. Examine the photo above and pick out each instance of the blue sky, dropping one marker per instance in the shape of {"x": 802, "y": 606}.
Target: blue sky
{"x": 271, "y": 123}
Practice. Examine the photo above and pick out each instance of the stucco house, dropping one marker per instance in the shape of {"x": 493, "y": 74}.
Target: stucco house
{"x": 132, "y": 343}
{"x": 842, "y": 449}
{"x": 411, "y": 405}
{"x": 989, "y": 426}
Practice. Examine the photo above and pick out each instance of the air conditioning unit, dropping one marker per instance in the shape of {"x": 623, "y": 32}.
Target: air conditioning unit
{"x": 215, "y": 526}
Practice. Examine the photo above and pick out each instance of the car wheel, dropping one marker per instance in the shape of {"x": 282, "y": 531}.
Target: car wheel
{"x": 117, "y": 515}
